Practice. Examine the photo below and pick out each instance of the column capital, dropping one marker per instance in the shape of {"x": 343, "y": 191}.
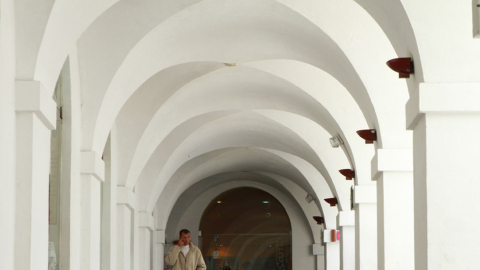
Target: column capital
{"x": 392, "y": 160}
{"x": 145, "y": 220}
{"x": 329, "y": 236}
{"x": 125, "y": 196}
{"x": 160, "y": 237}
{"x": 346, "y": 219}
{"x": 31, "y": 96}
{"x": 365, "y": 194}
{"x": 93, "y": 164}
{"x": 442, "y": 98}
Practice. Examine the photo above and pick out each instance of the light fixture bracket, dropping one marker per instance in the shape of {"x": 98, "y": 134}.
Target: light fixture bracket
{"x": 336, "y": 141}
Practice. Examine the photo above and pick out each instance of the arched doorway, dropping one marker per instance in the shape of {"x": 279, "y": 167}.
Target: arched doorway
{"x": 246, "y": 229}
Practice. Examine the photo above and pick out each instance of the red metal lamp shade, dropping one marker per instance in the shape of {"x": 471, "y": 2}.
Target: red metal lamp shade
{"x": 349, "y": 174}
{"x": 369, "y": 135}
{"x": 319, "y": 220}
{"x": 332, "y": 201}
{"x": 404, "y": 66}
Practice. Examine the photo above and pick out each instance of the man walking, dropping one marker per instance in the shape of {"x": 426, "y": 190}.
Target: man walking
{"x": 184, "y": 255}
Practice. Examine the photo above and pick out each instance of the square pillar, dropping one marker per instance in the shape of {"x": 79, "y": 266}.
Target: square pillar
{"x": 393, "y": 171}
{"x": 125, "y": 209}
{"x": 319, "y": 252}
{"x": 93, "y": 174}
{"x": 35, "y": 118}
{"x": 69, "y": 255}
{"x": 109, "y": 204}
{"x": 346, "y": 225}
{"x": 332, "y": 251}
{"x": 7, "y": 135}
{"x": 445, "y": 119}
{"x": 159, "y": 249}
{"x": 145, "y": 239}
{"x": 365, "y": 200}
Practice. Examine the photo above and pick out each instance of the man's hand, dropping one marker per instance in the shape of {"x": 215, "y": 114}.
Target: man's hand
{"x": 180, "y": 243}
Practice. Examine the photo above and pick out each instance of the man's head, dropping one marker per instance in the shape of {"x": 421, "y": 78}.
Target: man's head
{"x": 184, "y": 236}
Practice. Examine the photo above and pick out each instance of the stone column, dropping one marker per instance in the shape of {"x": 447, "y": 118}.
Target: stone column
{"x": 332, "y": 251}
{"x": 445, "y": 119}
{"x": 109, "y": 205}
{"x": 160, "y": 249}
{"x": 7, "y": 134}
{"x": 365, "y": 200}
{"x": 145, "y": 233}
{"x": 393, "y": 170}
{"x": 69, "y": 256}
{"x": 35, "y": 118}
{"x": 346, "y": 225}
{"x": 93, "y": 174}
{"x": 125, "y": 208}
{"x": 319, "y": 252}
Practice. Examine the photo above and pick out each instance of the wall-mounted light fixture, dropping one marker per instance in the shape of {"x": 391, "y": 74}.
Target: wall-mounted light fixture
{"x": 404, "y": 66}
{"x": 336, "y": 141}
{"x": 349, "y": 174}
{"x": 369, "y": 135}
{"x": 309, "y": 198}
{"x": 319, "y": 220}
{"x": 332, "y": 201}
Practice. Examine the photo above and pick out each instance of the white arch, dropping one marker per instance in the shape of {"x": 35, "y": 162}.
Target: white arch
{"x": 149, "y": 63}
{"x": 319, "y": 85}
{"x": 190, "y": 197}
{"x": 241, "y": 130}
{"x": 246, "y": 159}
{"x": 300, "y": 235}
{"x": 210, "y": 139}
{"x": 226, "y": 89}
{"x": 46, "y": 33}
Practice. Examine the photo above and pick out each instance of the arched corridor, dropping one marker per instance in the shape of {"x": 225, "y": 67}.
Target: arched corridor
{"x": 122, "y": 122}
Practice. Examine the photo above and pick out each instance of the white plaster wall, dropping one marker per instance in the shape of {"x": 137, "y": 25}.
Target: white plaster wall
{"x": 432, "y": 177}
{"x": 445, "y": 30}
{"x": 7, "y": 133}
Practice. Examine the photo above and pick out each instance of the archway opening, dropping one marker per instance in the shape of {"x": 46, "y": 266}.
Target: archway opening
{"x": 246, "y": 229}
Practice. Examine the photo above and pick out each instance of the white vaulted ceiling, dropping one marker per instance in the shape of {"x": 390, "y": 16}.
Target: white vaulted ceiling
{"x": 200, "y": 89}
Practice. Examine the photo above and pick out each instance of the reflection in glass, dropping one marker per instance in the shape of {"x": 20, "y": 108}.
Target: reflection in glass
{"x": 248, "y": 230}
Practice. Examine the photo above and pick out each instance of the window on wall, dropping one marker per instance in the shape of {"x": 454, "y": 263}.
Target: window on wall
{"x": 476, "y": 18}
{"x": 246, "y": 229}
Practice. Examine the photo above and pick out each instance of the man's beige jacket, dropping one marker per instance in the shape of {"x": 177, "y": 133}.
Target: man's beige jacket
{"x": 194, "y": 260}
